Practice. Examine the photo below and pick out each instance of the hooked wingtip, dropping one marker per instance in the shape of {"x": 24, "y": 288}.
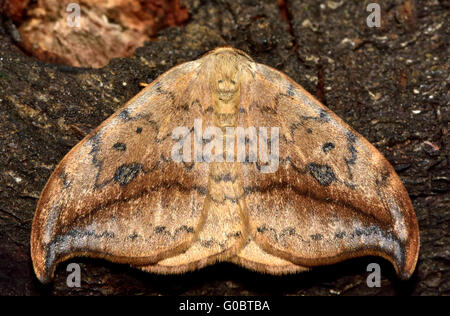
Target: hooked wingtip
{"x": 42, "y": 267}
{"x": 406, "y": 268}
{"x": 411, "y": 260}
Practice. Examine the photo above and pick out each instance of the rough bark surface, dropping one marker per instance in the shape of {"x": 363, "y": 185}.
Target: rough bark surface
{"x": 390, "y": 83}
{"x": 104, "y": 29}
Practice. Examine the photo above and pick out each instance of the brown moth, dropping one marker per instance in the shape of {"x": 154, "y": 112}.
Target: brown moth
{"x": 165, "y": 186}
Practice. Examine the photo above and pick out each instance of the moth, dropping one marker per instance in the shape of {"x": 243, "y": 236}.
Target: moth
{"x": 224, "y": 159}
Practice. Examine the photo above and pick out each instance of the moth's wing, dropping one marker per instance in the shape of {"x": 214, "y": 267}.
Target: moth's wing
{"x": 254, "y": 257}
{"x": 333, "y": 195}
{"x": 118, "y": 194}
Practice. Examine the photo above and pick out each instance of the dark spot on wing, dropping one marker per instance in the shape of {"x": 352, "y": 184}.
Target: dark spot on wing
{"x": 382, "y": 180}
{"x": 316, "y": 237}
{"x": 160, "y": 229}
{"x": 263, "y": 108}
{"x": 289, "y": 231}
{"x": 359, "y": 232}
{"x": 349, "y": 161}
{"x": 120, "y": 146}
{"x": 351, "y": 137}
{"x": 138, "y": 130}
{"x": 294, "y": 126}
{"x": 184, "y": 107}
{"x": 201, "y": 190}
{"x": 261, "y": 229}
{"x": 290, "y": 90}
{"x": 327, "y": 147}
{"x": 206, "y": 243}
{"x": 187, "y": 229}
{"x": 66, "y": 182}
{"x": 324, "y": 116}
{"x": 127, "y": 172}
{"x": 322, "y": 173}
{"x": 124, "y": 115}
{"x": 133, "y": 236}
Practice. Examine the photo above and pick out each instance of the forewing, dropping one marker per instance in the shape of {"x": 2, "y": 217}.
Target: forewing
{"x": 333, "y": 196}
{"x": 118, "y": 194}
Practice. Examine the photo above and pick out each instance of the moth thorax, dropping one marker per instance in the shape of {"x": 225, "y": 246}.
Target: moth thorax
{"x": 226, "y": 102}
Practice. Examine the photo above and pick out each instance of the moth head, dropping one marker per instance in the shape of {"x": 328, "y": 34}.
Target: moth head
{"x": 230, "y": 50}
{"x": 226, "y": 69}
{"x": 226, "y": 78}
